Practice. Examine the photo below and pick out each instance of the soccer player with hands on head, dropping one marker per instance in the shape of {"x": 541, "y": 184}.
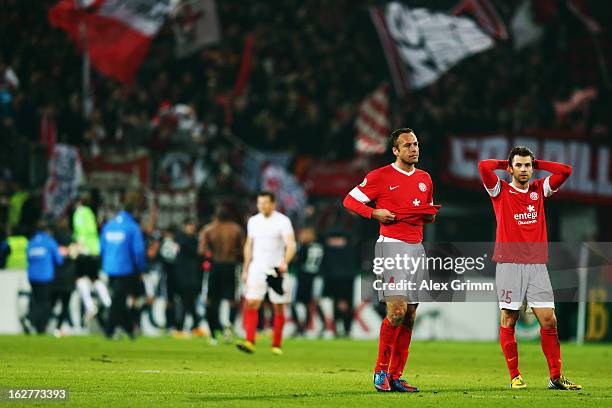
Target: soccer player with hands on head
{"x": 521, "y": 253}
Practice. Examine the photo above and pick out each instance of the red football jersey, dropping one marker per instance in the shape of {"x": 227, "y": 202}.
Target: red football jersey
{"x": 521, "y": 224}
{"x": 397, "y": 190}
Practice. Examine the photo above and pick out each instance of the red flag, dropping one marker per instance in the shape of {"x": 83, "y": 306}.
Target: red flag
{"x": 245, "y": 65}
{"x": 373, "y": 122}
{"x": 116, "y": 33}
{"x": 48, "y": 132}
{"x": 486, "y": 16}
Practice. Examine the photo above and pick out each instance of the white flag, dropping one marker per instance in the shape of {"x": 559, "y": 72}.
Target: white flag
{"x": 196, "y": 25}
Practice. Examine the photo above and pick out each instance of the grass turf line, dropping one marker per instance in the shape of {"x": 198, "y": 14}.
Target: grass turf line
{"x": 166, "y": 371}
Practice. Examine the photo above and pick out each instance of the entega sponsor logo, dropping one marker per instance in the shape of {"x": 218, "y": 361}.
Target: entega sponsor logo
{"x": 528, "y": 217}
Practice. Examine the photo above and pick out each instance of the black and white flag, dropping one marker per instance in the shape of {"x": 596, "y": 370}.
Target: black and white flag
{"x": 421, "y": 43}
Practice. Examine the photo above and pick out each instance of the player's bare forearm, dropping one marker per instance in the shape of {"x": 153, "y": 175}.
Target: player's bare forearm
{"x": 383, "y": 216}
{"x": 560, "y": 172}
{"x": 248, "y": 255}
{"x": 290, "y": 249}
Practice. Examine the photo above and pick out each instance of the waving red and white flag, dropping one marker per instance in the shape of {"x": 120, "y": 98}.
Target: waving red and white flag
{"x": 373, "y": 122}
{"x": 116, "y": 33}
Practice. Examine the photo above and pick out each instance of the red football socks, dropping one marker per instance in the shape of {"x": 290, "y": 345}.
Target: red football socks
{"x": 552, "y": 351}
{"x": 388, "y": 334}
{"x": 399, "y": 352}
{"x": 279, "y": 322}
{"x": 251, "y": 318}
{"x": 509, "y": 347}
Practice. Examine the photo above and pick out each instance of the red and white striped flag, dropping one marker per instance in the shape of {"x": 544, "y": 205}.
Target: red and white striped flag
{"x": 116, "y": 33}
{"x": 373, "y": 122}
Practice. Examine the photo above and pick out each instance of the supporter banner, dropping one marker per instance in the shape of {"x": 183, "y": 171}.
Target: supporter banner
{"x": 175, "y": 171}
{"x": 325, "y": 178}
{"x": 116, "y": 33}
{"x": 113, "y": 174}
{"x": 126, "y": 171}
{"x": 255, "y": 161}
{"x": 290, "y": 195}
{"x": 196, "y": 25}
{"x": 174, "y": 207}
{"x": 65, "y": 173}
{"x": 421, "y": 44}
{"x": 591, "y": 179}
{"x": 372, "y": 122}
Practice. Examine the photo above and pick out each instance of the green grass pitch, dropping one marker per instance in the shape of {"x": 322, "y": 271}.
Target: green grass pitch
{"x": 164, "y": 371}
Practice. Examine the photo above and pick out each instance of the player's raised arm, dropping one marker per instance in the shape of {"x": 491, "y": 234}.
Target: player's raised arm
{"x": 560, "y": 173}
{"x": 487, "y": 168}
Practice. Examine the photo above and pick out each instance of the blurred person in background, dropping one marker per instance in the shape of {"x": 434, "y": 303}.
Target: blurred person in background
{"x": 339, "y": 267}
{"x": 142, "y": 298}
{"x": 189, "y": 275}
{"x": 268, "y": 250}
{"x": 17, "y": 200}
{"x": 308, "y": 263}
{"x": 222, "y": 241}
{"x": 168, "y": 249}
{"x": 123, "y": 259}
{"x": 153, "y": 242}
{"x": 16, "y": 244}
{"x": 88, "y": 262}
{"x": 44, "y": 256}
{"x": 5, "y": 250}
{"x": 4, "y": 203}
{"x": 65, "y": 276}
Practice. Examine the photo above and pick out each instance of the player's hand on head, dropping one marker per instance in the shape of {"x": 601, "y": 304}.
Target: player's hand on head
{"x": 383, "y": 215}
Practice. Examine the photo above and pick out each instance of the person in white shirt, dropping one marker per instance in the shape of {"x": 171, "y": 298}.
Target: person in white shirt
{"x": 269, "y": 247}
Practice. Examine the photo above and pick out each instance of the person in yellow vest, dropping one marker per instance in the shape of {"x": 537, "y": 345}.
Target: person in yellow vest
{"x": 16, "y": 201}
{"x": 16, "y": 258}
{"x": 86, "y": 236}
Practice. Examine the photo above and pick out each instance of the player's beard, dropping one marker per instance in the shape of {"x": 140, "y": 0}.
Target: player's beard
{"x": 522, "y": 180}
